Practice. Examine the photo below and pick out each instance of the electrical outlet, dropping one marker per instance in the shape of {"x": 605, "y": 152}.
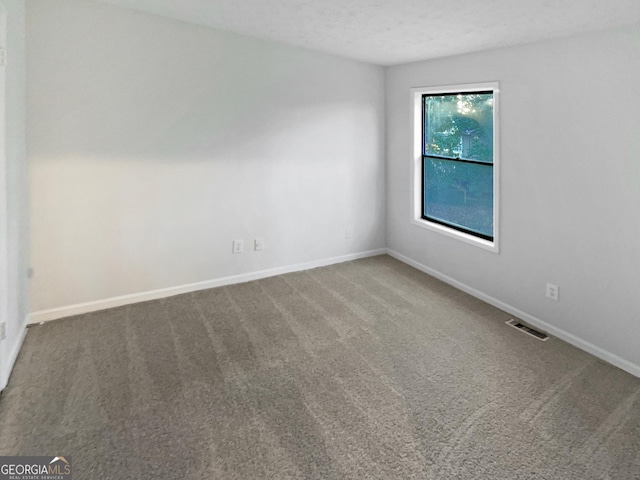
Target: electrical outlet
{"x": 258, "y": 244}
{"x": 348, "y": 233}
{"x": 552, "y": 291}
{"x": 238, "y": 246}
{"x": 3, "y": 330}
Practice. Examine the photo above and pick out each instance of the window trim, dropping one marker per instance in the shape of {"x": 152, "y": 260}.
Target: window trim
{"x": 417, "y": 163}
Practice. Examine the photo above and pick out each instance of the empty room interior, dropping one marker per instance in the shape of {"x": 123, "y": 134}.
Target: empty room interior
{"x": 251, "y": 239}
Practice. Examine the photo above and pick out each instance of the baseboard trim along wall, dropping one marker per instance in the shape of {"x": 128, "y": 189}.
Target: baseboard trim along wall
{"x": 602, "y": 354}
{"x": 78, "y": 309}
{"x": 6, "y": 369}
{"x": 87, "y": 307}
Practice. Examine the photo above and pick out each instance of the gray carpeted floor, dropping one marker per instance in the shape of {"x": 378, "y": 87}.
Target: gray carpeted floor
{"x": 367, "y": 369}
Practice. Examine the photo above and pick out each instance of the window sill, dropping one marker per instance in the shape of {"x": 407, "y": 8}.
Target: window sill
{"x": 491, "y": 246}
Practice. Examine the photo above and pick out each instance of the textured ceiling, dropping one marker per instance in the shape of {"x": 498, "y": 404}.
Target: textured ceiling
{"x": 388, "y": 32}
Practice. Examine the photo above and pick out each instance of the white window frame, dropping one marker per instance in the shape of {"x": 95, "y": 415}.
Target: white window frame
{"x": 416, "y": 177}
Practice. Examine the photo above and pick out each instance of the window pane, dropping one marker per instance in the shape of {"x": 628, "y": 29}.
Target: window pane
{"x": 459, "y": 194}
{"x": 459, "y": 126}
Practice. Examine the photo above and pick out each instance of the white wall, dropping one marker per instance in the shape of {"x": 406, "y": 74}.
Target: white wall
{"x": 154, "y": 143}
{"x": 13, "y": 188}
{"x": 570, "y": 183}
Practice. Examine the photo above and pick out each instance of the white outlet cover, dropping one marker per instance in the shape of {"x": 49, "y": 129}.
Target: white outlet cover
{"x": 258, "y": 244}
{"x": 238, "y": 246}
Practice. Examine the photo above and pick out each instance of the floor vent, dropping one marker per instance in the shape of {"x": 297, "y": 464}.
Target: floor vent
{"x": 528, "y": 330}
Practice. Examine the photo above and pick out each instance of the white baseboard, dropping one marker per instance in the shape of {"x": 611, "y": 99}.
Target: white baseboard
{"x": 87, "y": 307}
{"x": 6, "y": 369}
{"x": 608, "y": 357}
{"x": 61, "y": 312}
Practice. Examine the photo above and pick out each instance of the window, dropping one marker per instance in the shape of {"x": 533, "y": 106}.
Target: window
{"x": 455, "y": 171}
